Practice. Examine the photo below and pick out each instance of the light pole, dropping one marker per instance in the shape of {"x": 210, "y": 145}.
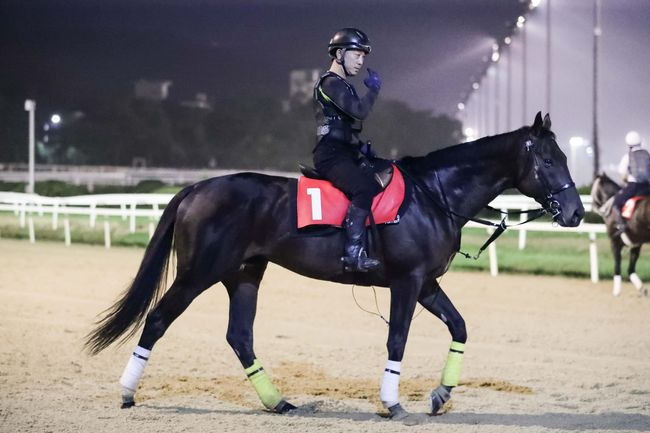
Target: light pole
{"x": 575, "y": 143}
{"x": 597, "y": 33}
{"x": 524, "y": 78}
{"x": 479, "y": 108}
{"x": 495, "y": 60}
{"x": 507, "y": 41}
{"x": 548, "y": 56}
{"x": 30, "y": 106}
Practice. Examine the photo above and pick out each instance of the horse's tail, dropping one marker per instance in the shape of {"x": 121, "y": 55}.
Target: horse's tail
{"x": 127, "y": 314}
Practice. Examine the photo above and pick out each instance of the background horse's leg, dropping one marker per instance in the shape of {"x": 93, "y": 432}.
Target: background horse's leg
{"x": 631, "y": 270}
{"x": 179, "y": 296}
{"x": 436, "y": 301}
{"x": 242, "y": 288}
{"x": 616, "y": 245}
{"x": 403, "y": 297}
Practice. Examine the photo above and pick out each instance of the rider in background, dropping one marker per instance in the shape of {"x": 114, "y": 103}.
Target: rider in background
{"x": 635, "y": 169}
{"x": 339, "y": 112}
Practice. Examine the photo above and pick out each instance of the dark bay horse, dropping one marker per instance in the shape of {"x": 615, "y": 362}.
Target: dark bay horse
{"x": 637, "y": 233}
{"x": 227, "y": 229}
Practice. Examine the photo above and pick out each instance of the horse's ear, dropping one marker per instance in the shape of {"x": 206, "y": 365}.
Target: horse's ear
{"x": 536, "y": 129}
{"x": 547, "y": 122}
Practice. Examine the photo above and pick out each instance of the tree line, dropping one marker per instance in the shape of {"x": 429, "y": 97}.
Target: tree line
{"x": 247, "y": 134}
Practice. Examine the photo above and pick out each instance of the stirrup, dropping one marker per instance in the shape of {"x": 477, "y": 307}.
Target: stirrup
{"x": 360, "y": 263}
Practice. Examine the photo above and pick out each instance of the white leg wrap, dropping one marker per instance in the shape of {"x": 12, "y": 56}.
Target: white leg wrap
{"x": 133, "y": 371}
{"x": 626, "y": 240}
{"x": 617, "y": 285}
{"x": 634, "y": 278}
{"x": 389, "y": 392}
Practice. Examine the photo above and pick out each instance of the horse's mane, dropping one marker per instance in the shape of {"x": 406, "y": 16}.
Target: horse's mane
{"x": 458, "y": 154}
{"x": 605, "y": 178}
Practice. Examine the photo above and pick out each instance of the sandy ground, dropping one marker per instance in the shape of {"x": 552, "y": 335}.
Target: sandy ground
{"x": 544, "y": 354}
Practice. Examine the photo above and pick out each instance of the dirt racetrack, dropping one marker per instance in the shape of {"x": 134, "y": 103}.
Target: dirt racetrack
{"x": 544, "y": 354}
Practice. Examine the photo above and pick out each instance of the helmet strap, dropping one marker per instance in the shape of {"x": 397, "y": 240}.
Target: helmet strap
{"x": 342, "y": 61}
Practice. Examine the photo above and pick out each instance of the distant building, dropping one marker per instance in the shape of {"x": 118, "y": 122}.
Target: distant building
{"x": 301, "y": 85}
{"x": 152, "y": 90}
{"x": 200, "y": 101}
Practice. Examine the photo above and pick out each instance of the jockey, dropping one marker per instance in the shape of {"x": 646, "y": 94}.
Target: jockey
{"x": 635, "y": 169}
{"x": 339, "y": 112}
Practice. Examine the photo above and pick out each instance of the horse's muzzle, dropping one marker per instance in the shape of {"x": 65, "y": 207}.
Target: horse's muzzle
{"x": 577, "y": 217}
{"x": 570, "y": 221}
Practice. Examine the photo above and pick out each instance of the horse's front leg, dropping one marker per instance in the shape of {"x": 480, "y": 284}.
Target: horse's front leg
{"x": 436, "y": 301}
{"x": 403, "y": 297}
{"x": 631, "y": 270}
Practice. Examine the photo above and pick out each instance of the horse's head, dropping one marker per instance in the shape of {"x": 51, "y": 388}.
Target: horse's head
{"x": 544, "y": 175}
{"x": 602, "y": 189}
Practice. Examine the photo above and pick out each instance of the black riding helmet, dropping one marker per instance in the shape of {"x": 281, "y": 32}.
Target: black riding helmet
{"x": 349, "y": 38}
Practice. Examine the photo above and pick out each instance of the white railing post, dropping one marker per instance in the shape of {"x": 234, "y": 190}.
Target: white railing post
{"x": 132, "y": 220}
{"x": 66, "y": 231}
{"x": 23, "y": 211}
{"x": 30, "y": 223}
{"x": 593, "y": 257}
{"x": 107, "y": 234}
{"x": 151, "y": 229}
{"x": 492, "y": 254}
{"x": 522, "y": 232}
{"x": 93, "y": 215}
{"x": 55, "y": 216}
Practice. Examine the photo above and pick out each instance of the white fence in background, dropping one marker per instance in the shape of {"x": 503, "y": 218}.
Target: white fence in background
{"x": 131, "y": 206}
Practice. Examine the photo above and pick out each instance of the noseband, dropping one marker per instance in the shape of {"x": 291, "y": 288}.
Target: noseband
{"x": 550, "y": 204}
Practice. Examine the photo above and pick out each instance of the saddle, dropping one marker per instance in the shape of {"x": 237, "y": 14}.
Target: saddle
{"x": 626, "y": 212}
{"x": 381, "y": 169}
{"x": 319, "y": 203}
{"x": 630, "y": 205}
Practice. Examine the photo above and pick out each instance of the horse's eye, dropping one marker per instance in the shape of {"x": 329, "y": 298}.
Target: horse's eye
{"x": 548, "y": 162}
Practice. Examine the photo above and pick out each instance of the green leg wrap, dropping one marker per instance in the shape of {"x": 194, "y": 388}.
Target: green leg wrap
{"x": 451, "y": 372}
{"x": 269, "y": 395}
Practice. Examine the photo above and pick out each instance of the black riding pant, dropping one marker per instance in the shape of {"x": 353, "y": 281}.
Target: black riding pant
{"x": 630, "y": 190}
{"x": 339, "y": 163}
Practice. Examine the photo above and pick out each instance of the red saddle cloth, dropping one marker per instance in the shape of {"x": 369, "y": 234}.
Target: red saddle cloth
{"x": 320, "y": 203}
{"x": 629, "y": 206}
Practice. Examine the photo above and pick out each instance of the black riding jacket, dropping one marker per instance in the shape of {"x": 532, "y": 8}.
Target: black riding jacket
{"x": 339, "y": 110}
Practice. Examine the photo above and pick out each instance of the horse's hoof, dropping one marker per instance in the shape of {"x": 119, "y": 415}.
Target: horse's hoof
{"x": 283, "y": 407}
{"x": 438, "y": 398}
{"x": 127, "y": 404}
{"x": 397, "y": 412}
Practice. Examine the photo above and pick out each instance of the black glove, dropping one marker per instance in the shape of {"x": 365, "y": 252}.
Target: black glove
{"x": 372, "y": 81}
{"x": 366, "y": 150}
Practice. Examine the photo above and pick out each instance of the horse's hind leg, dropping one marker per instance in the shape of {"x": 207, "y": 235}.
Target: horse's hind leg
{"x": 179, "y": 296}
{"x": 243, "y": 286}
{"x": 631, "y": 270}
{"x": 436, "y": 301}
{"x": 616, "y": 245}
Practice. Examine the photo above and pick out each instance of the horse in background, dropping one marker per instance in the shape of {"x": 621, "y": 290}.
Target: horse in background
{"x": 636, "y": 234}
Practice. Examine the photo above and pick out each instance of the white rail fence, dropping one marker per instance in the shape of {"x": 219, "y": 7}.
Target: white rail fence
{"x": 131, "y": 206}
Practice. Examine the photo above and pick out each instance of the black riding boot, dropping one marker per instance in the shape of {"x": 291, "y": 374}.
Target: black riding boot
{"x": 620, "y": 222}
{"x": 356, "y": 259}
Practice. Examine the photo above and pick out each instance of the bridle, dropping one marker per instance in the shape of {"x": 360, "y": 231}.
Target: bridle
{"x": 549, "y": 203}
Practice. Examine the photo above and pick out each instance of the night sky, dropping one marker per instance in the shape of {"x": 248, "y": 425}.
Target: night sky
{"x": 425, "y": 51}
